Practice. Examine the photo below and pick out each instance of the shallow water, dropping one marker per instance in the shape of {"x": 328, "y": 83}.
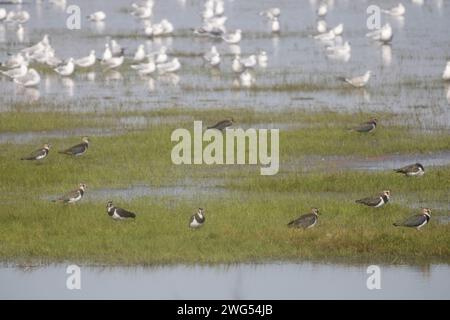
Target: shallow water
{"x": 385, "y": 162}
{"x": 36, "y": 136}
{"x": 407, "y": 73}
{"x": 180, "y": 191}
{"x": 242, "y": 281}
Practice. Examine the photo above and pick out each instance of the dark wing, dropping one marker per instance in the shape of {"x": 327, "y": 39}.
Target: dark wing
{"x": 79, "y": 148}
{"x": 412, "y": 221}
{"x": 369, "y": 201}
{"x": 69, "y": 195}
{"x": 303, "y": 221}
{"x": 409, "y": 168}
{"x": 124, "y": 213}
{"x": 221, "y": 125}
{"x": 365, "y": 127}
{"x": 35, "y": 154}
{"x": 199, "y": 219}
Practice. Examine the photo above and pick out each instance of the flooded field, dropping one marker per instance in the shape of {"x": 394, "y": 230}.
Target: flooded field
{"x": 406, "y": 74}
{"x": 245, "y": 250}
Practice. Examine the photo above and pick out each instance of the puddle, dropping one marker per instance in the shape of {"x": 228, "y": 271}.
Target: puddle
{"x": 143, "y": 122}
{"x": 443, "y": 219}
{"x": 274, "y": 125}
{"x": 40, "y": 136}
{"x": 240, "y": 281}
{"x": 417, "y": 202}
{"x": 186, "y": 189}
{"x": 387, "y": 162}
{"x": 397, "y": 161}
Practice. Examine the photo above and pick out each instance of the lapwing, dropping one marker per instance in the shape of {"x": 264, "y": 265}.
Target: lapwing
{"x": 39, "y": 154}
{"x": 198, "y": 219}
{"x": 416, "y": 221}
{"x": 365, "y": 127}
{"x": 73, "y": 196}
{"x": 376, "y": 202}
{"x": 79, "y": 149}
{"x": 412, "y": 170}
{"x": 118, "y": 213}
{"x": 222, "y": 125}
{"x": 306, "y": 221}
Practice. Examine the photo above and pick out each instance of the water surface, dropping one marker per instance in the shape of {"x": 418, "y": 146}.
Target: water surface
{"x": 242, "y": 281}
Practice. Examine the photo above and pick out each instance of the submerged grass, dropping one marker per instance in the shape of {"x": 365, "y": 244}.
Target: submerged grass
{"x": 247, "y": 223}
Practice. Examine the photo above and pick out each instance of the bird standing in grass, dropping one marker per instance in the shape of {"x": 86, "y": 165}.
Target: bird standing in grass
{"x": 73, "y": 196}
{"x": 118, "y": 213}
{"x": 222, "y": 125}
{"x": 366, "y": 127}
{"x": 39, "y": 154}
{"x": 416, "y": 221}
{"x": 78, "y": 149}
{"x": 376, "y": 202}
{"x": 198, "y": 219}
{"x": 412, "y": 170}
{"x": 306, "y": 221}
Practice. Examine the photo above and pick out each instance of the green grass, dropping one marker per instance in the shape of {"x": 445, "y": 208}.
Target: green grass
{"x": 247, "y": 222}
{"x": 254, "y": 230}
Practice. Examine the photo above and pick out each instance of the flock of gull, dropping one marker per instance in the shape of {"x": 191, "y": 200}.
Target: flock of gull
{"x": 17, "y": 66}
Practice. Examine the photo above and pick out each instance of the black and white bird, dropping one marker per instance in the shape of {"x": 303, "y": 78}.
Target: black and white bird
{"x": 365, "y": 127}
{"x": 416, "y": 221}
{"x": 73, "y": 196}
{"x": 118, "y": 213}
{"x": 306, "y": 221}
{"x": 78, "y": 149}
{"x": 198, "y": 219}
{"x": 376, "y": 202}
{"x": 412, "y": 170}
{"x": 221, "y": 125}
{"x": 39, "y": 154}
